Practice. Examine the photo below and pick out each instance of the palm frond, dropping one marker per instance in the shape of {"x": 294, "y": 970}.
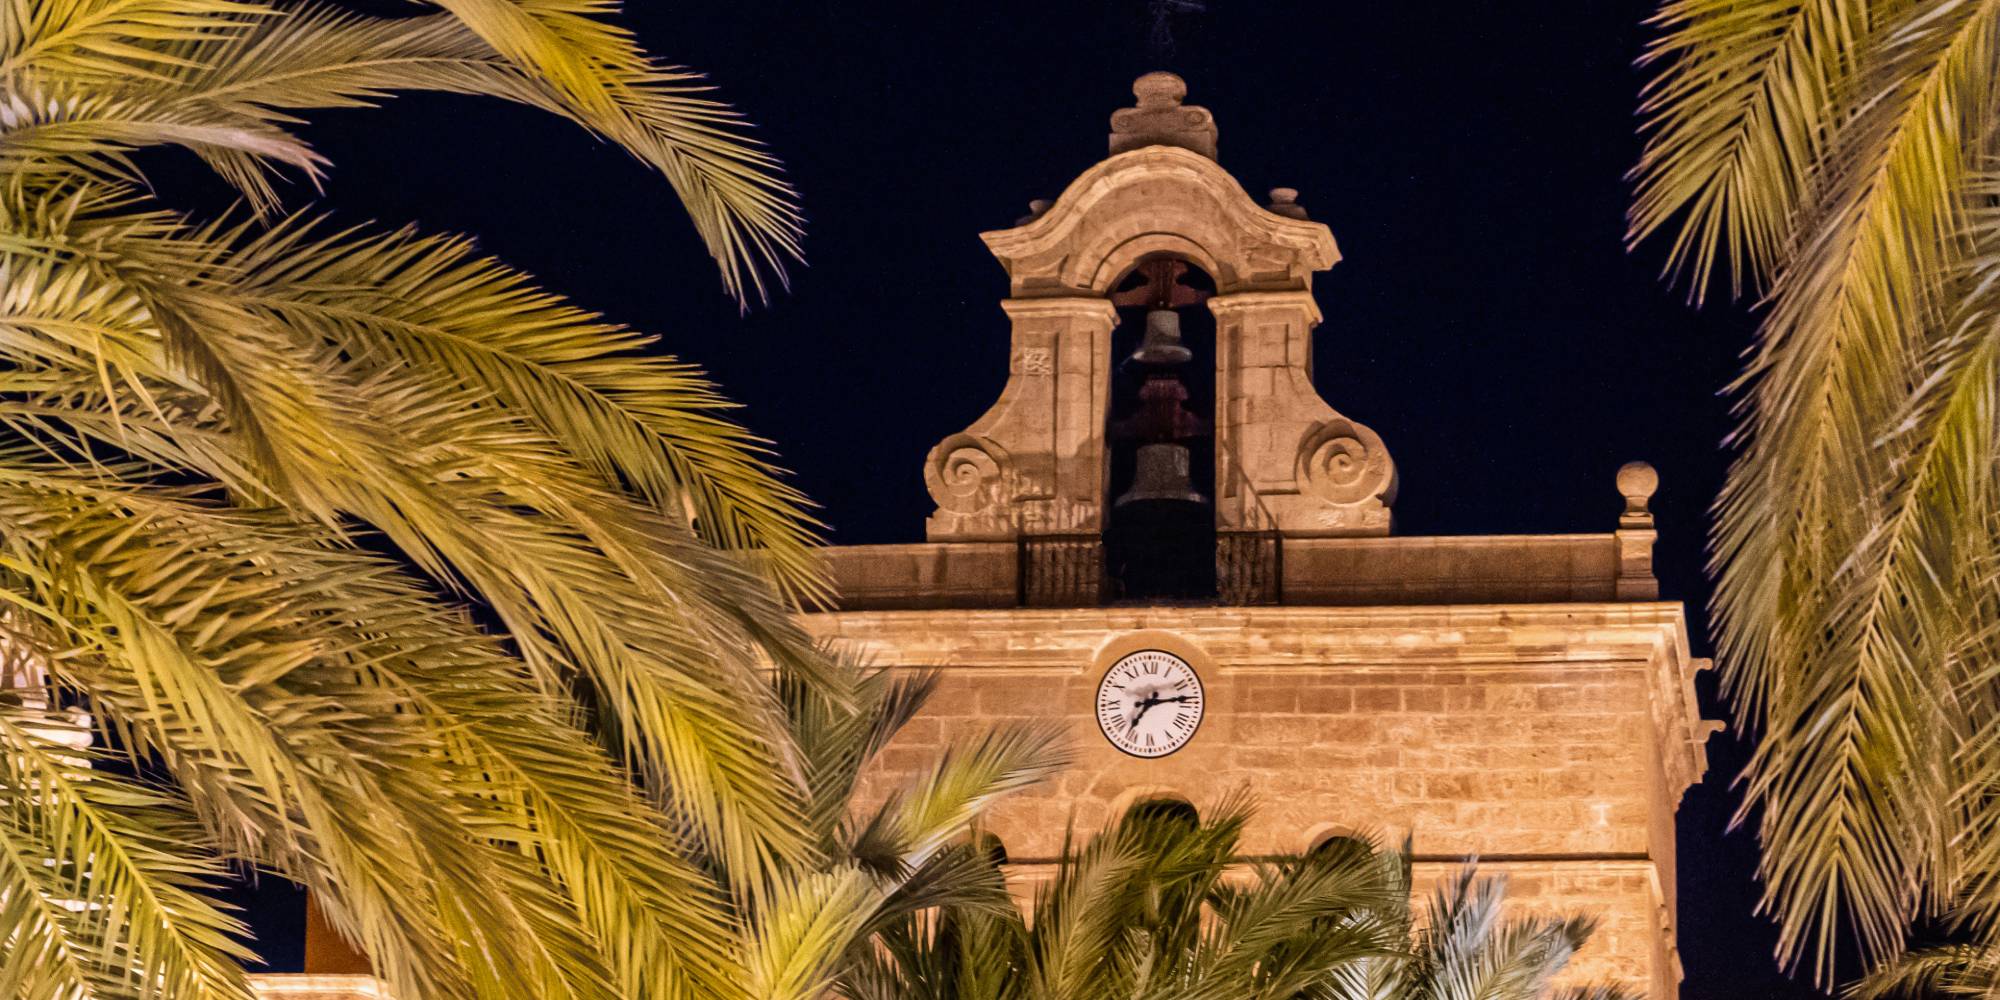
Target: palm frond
{"x": 100, "y": 893}
{"x": 1159, "y": 905}
{"x": 110, "y": 40}
{"x": 80, "y": 87}
{"x": 1955, "y": 971}
{"x": 589, "y": 581}
{"x": 660, "y": 114}
{"x": 810, "y": 921}
{"x": 638, "y": 418}
{"x": 1745, "y": 103}
{"x": 938, "y": 804}
{"x": 1833, "y": 149}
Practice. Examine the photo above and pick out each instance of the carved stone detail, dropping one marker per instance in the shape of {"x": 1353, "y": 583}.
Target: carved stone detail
{"x": 1300, "y": 465}
{"x": 1034, "y": 361}
{"x": 1342, "y": 462}
{"x": 1161, "y": 119}
{"x": 1034, "y": 462}
{"x": 964, "y": 474}
{"x": 1159, "y": 199}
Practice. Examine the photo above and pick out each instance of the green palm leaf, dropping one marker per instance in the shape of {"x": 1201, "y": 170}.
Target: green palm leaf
{"x": 1160, "y": 906}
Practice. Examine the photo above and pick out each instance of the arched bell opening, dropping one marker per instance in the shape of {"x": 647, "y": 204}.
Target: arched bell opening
{"x": 1159, "y": 537}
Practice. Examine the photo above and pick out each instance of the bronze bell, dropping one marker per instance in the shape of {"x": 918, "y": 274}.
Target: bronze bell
{"x": 1162, "y": 345}
{"x": 1161, "y": 473}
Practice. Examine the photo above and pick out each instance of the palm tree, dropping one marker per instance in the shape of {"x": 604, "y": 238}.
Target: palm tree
{"x": 1836, "y": 158}
{"x": 1159, "y": 905}
{"x": 1464, "y": 947}
{"x": 879, "y": 859}
{"x": 1953, "y": 972}
{"x": 253, "y": 470}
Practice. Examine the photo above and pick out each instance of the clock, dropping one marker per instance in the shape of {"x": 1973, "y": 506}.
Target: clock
{"x": 1149, "y": 703}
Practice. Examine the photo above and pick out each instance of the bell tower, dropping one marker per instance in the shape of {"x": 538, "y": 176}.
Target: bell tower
{"x": 1160, "y": 535}
{"x": 1036, "y": 464}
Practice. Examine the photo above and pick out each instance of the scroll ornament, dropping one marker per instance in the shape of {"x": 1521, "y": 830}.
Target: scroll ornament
{"x": 964, "y": 473}
{"x": 1342, "y": 462}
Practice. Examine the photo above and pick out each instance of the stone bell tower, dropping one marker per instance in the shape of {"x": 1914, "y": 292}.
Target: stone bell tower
{"x": 1523, "y": 698}
{"x": 1035, "y": 464}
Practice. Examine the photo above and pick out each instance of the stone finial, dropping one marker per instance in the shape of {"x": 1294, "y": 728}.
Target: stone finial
{"x": 1285, "y": 202}
{"x": 1160, "y": 119}
{"x": 1036, "y": 209}
{"x": 1637, "y": 481}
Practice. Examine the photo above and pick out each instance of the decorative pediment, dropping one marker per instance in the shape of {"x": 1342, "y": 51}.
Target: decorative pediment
{"x": 1159, "y": 200}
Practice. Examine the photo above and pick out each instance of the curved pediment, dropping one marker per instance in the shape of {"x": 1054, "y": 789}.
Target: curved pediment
{"x": 1159, "y": 200}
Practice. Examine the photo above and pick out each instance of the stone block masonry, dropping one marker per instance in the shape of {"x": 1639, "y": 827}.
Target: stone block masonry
{"x": 1549, "y": 740}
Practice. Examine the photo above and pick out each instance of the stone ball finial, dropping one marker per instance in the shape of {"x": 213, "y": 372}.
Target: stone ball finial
{"x": 1036, "y": 209}
{"x": 1285, "y": 202}
{"x": 1637, "y": 481}
{"x": 1159, "y": 89}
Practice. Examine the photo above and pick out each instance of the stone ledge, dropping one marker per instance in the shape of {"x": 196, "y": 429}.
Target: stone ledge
{"x": 1459, "y": 569}
{"x": 311, "y": 986}
{"x": 925, "y": 575}
{"x": 1329, "y": 572}
{"x": 1324, "y": 637}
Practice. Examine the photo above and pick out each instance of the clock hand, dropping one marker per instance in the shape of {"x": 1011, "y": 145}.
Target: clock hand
{"x": 1143, "y": 706}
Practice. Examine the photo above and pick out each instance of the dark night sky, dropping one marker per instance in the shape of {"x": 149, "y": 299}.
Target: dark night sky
{"x": 1486, "y": 321}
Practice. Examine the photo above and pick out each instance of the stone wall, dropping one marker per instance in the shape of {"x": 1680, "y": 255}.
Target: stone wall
{"x": 1545, "y": 739}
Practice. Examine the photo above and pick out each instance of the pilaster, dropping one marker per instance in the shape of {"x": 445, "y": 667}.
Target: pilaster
{"x": 1283, "y": 456}
{"x": 1034, "y": 462}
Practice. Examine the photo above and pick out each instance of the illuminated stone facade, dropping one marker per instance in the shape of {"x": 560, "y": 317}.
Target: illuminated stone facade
{"x": 1525, "y": 699}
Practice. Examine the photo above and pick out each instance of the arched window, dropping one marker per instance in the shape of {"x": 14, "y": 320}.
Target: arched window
{"x": 991, "y": 846}
{"x": 1164, "y": 809}
{"x": 1340, "y": 843}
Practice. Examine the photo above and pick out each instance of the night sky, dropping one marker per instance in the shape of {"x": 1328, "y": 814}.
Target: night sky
{"x": 1487, "y": 321}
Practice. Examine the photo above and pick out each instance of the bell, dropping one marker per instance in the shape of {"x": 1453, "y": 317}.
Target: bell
{"x": 1161, "y": 473}
{"x": 1162, "y": 345}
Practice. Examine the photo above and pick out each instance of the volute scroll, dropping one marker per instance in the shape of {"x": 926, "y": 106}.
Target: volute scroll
{"x": 1342, "y": 462}
{"x": 965, "y": 474}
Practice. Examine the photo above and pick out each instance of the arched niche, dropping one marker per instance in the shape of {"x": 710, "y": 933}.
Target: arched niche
{"x": 1162, "y": 807}
{"x": 1336, "y": 839}
{"x": 988, "y": 844}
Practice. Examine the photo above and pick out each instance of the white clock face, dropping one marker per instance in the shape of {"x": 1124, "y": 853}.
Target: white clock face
{"x": 1149, "y": 703}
